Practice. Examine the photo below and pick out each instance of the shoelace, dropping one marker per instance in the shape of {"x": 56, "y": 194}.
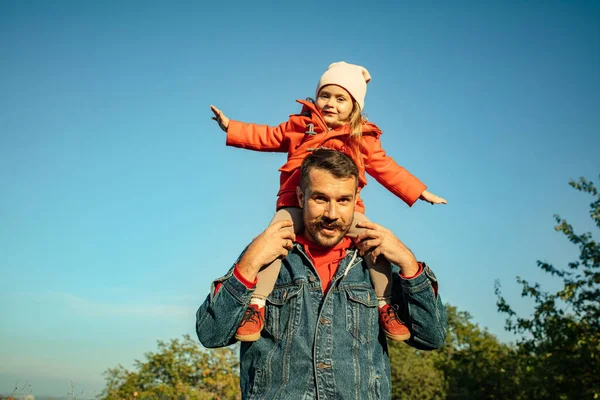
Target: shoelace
{"x": 251, "y": 314}
{"x": 390, "y": 313}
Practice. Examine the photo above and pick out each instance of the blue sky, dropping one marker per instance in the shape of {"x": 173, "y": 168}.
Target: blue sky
{"x": 120, "y": 202}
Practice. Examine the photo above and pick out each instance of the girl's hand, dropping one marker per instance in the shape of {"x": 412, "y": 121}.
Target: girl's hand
{"x": 221, "y": 119}
{"x": 432, "y": 198}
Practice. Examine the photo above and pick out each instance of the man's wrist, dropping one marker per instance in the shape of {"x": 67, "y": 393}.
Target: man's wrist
{"x": 413, "y": 275}
{"x": 410, "y": 269}
{"x": 250, "y": 284}
{"x": 247, "y": 268}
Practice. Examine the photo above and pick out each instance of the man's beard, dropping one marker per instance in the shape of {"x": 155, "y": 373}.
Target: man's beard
{"x": 314, "y": 229}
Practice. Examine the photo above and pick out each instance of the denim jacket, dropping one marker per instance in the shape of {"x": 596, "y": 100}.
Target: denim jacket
{"x": 321, "y": 346}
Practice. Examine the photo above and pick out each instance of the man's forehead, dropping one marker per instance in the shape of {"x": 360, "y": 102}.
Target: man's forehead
{"x": 322, "y": 180}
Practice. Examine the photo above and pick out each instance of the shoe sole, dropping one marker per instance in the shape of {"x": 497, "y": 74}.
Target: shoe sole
{"x": 397, "y": 338}
{"x": 248, "y": 338}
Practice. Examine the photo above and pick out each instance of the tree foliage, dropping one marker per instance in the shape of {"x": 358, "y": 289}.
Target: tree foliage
{"x": 180, "y": 369}
{"x": 473, "y": 364}
{"x": 414, "y": 374}
{"x": 559, "y": 345}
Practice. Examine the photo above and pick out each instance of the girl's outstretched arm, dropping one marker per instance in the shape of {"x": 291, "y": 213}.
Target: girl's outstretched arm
{"x": 386, "y": 171}
{"x": 253, "y": 136}
{"x": 258, "y": 137}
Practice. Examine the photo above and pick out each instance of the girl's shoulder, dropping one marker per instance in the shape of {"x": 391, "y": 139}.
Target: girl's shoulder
{"x": 369, "y": 128}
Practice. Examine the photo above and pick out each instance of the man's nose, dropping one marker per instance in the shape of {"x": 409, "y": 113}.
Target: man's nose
{"x": 331, "y": 211}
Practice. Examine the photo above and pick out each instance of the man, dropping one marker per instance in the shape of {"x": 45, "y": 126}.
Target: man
{"x": 321, "y": 338}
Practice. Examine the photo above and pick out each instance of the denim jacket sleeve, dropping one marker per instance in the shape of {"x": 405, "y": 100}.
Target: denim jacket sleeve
{"x": 421, "y": 308}
{"x": 219, "y": 316}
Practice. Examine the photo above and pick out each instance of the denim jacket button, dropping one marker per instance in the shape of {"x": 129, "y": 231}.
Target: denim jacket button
{"x": 323, "y": 365}
{"x": 324, "y": 321}
{"x": 312, "y": 279}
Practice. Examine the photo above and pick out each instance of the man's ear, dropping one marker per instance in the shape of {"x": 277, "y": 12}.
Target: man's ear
{"x": 300, "y": 196}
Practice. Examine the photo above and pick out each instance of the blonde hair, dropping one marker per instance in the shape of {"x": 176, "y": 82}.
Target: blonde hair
{"x": 356, "y": 121}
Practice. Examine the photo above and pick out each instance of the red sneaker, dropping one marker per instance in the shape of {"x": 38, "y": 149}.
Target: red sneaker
{"x": 393, "y": 328}
{"x": 252, "y": 324}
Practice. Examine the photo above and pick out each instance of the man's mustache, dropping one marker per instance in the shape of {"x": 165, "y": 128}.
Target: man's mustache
{"x": 329, "y": 223}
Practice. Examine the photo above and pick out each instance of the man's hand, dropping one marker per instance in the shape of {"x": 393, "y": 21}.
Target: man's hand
{"x": 432, "y": 198}
{"x": 221, "y": 119}
{"x": 274, "y": 242}
{"x": 376, "y": 241}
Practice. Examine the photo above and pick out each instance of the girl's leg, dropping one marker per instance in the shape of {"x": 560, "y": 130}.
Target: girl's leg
{"x": 381, "y": 276}
{"x": 253, "y": 321}
{"x": 268, "y": 275}
{"x": 381, "y": 272}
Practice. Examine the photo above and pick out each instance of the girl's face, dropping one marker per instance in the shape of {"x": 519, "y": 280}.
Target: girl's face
{"x": 335, "y": 104}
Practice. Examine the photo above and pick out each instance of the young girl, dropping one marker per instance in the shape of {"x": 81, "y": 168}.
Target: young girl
{"x": 334, "y": 121}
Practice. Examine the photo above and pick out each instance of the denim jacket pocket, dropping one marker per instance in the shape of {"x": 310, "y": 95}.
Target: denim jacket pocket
{"x": 361, "y": 313}
{"x": 283, "y": 311}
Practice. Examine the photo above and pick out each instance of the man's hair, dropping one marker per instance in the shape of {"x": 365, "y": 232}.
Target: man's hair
{"x": 335, "y": 162}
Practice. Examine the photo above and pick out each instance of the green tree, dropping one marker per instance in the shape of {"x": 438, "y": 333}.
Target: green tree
{"x": 180, "y": 369}
{"x": 559, "y": 345}
{"x": 414, "y": 374}
{"x": 472, "y": 364}
{"x": 476, "y": 365}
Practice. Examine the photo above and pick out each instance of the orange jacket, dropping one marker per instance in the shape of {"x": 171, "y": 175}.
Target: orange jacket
{"x": 297, "y": 139}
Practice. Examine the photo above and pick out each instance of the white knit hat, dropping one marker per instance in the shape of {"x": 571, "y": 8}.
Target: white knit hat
{"x": 353, "y": 78}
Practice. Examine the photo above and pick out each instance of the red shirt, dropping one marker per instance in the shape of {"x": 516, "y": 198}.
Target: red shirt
{"x": 325, "y": 259}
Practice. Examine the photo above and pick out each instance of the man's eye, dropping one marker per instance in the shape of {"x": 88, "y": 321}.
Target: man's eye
{"x": 341, "y": 99}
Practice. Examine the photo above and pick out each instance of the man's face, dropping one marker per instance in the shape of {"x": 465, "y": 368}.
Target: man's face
{"x": 328, "y": 207}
